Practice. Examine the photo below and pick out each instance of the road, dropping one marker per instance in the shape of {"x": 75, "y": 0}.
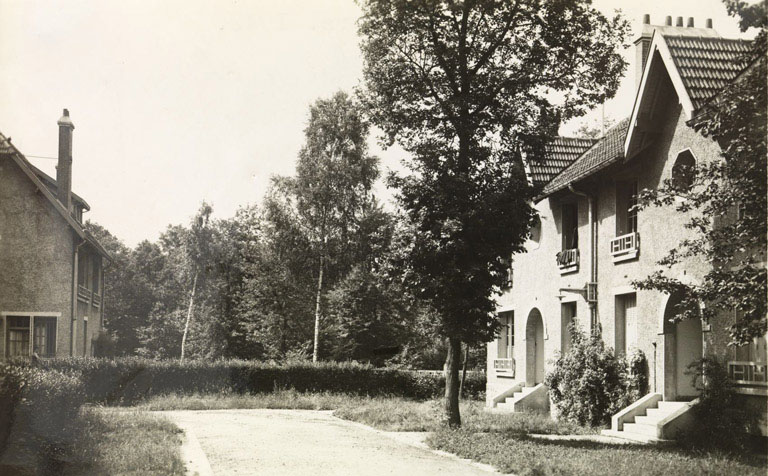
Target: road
{"x": 303, "y": 442}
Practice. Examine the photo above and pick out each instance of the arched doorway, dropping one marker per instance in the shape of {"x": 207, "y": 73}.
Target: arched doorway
{"x": 682, "y": 346}
{"x": 534, "y": 348}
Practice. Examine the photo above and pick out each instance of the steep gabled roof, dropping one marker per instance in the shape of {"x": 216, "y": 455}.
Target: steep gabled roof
{"x": 603, "y": 153}
{"x": 559, "y": 154}
{"x": 10, "y": 150}
{"x": 706, "y": 65}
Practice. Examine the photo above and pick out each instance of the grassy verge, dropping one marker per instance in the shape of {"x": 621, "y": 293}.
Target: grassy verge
{"x": 114, "y": 442}
{"x": 525, "y": 456}
{"x": 281, "y": 399}
{"x": 102, "y": 442}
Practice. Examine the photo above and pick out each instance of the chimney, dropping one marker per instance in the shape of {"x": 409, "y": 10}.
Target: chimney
{"x": 679, "y": 21}
{"x": 668, "y": 22}
{"x": 690, "y": 22}
{"x": 642, "y": 45}
{"x": 709, "y": 23}
{"x": 64, "y": 167}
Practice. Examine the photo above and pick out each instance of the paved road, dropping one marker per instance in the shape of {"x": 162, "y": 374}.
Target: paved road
{"x": 297, "y": 442}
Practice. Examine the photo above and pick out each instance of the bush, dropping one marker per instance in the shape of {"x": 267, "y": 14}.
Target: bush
{"x": 589, "y": 383}
{"x": 722, "y": 420}
{"x": 126, "y": 381}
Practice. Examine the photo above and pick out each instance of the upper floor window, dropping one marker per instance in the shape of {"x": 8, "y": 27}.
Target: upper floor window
{"x": 96, "y": 275}
{"x": 570, "y": 224}
{"x": 626, "y": 207}
{"x": 684, "y": 171}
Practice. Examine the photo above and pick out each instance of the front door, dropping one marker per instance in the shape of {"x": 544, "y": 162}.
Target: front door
{"x": 534, "y": 337}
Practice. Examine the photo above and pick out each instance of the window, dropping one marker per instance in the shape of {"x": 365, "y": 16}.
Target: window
{"x": 626, "y": 211}
{"x": 45, "y": 336}
{"x": 570, "y": 223}
{"x": 39, "y": 330}
{"x": 567, "y": 317}
{"x": 510, "y": 276}
{"x": 96, "y": 276}
{"x": 506, "y": 340}
{"x": 82, "y": 269}
{"x": 625, "y": 323}
{"x": 17, "y": 343}
{"x": 684, "y": 171}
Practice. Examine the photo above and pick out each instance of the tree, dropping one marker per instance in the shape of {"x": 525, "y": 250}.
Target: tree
{"x": 198, "y": 249}
{"x": 726, "y": 201}
{"x": 464, "y": 86}
{"x": 594, "y": 129}
{"x": 334, "y": 176}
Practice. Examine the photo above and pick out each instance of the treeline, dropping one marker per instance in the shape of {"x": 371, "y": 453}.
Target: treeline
{"x": 319, "y": 247}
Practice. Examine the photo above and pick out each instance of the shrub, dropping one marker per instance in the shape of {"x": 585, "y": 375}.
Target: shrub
{"x": 126, "y": 381}
{"x": 722, "y": 420}
{"x": 589, "y": 383}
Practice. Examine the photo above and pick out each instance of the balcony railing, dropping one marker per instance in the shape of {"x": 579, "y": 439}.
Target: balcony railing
{"x": 625, "y": 247}
{"x": 568, "y": 260}
{"x": 83, "y": 293}
{"x": 96, "y": 300}
{"x": 505, "y": 366}
{"x": 747, "y": 373}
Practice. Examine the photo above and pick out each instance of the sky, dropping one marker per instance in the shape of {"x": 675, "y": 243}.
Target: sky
{"x": 179, "y": 101}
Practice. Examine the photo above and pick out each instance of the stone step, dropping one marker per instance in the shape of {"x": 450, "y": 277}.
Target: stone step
{"x": 657, "y": 413}
{"x": 671, "y": 406}
{"x": 649, "y": 420}
{"x": 639, "y": 428}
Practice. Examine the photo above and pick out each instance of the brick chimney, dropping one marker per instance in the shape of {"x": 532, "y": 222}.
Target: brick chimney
{"x": 642, "y": 45}
{"x": 64, "y": 167}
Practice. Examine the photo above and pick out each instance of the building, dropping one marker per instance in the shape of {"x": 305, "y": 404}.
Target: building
{"x": 51, "y": 298}
{"x": 590, "y": 244}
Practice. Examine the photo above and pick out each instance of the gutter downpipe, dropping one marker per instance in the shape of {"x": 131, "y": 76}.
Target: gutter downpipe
{"x": 592, "y": 200}
{"x": 73, "y": 317}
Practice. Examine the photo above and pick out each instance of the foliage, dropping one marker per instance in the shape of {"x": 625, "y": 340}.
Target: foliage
{"x": 463, "y": 87}
{"x": 589, "y": 383}
{"x": 594, "y": 129}
{"x": 722, "y": 420}
{"x": 726, "y": 206}
{"x": 132, "y": 380}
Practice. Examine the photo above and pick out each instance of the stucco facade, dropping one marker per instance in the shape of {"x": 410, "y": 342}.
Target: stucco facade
{"x": 51, "y": 279}
{"x": 596, "y": 286}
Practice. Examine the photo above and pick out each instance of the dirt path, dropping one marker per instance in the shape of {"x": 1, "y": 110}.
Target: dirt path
{"x": 297, "y": 442}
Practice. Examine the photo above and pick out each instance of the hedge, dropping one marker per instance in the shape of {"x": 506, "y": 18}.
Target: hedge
{"x": 127, "y": 381}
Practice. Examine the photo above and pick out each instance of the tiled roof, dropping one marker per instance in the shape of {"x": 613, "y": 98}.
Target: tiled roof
{"x": 559, "y": 154}
{"x": 606, "y": 151}
{"x": 706, "y": 65}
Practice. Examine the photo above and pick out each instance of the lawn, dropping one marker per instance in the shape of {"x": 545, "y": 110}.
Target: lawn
{"x": 103, "y": 442}
{"x": 524, "y": 456}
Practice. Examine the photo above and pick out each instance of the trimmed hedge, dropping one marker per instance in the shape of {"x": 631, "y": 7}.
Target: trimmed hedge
{"x": 127, "y": 381}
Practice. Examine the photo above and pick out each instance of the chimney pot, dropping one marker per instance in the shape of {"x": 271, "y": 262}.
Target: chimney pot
{"x": 690, "y": 22}
{"x": 646, "y": 19}
{"x": 679, "y": 21}
{"x": 709, "y": 23}
{"x": 668, "y": 21}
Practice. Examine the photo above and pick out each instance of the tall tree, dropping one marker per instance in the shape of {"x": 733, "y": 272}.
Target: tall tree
{"x": 463, "y": 86}
{"x": 198, "y": 246}
{"x": 334, "y": 175}
{"x": 726, "y": 200}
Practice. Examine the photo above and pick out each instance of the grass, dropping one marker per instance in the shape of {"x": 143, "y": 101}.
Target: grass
{"x": 524, "y": 456}
{"x": 134, "y": 443}
{"x": 280, "y": 399}
{"x": 102, "y": 441}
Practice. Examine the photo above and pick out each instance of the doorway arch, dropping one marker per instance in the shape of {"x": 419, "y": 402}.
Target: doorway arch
{"x": 683, "y": 344}
{"x": 534, "y": 348}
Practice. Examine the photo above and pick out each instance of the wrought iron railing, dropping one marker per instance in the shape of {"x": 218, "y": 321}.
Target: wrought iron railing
{"x": 504, "y": 365}
{"x": 747, "y": 373}
{"x": 625, "y": 244}
{"x": 568, "y": 258}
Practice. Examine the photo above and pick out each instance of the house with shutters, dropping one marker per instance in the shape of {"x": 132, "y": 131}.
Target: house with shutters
{"x": 52, "y": 279}
{"x": 590, "y": 244}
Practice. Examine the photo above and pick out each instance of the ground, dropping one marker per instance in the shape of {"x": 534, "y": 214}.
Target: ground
{"x": 290, "y": 442}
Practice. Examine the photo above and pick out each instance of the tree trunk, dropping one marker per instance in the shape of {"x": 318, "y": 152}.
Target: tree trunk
{"x": 317, "y": 309}
{"x": 189, "y": 317}
{"x": 464, "y": 370}
{"x": 452, "y": 383}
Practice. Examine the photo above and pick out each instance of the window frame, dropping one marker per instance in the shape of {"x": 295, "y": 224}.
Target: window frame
{"x": 31, "y": 315}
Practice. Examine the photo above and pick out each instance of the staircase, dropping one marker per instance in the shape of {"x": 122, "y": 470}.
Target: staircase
{"x": 656, "y": 423}
{"x": 524, "y": 398}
